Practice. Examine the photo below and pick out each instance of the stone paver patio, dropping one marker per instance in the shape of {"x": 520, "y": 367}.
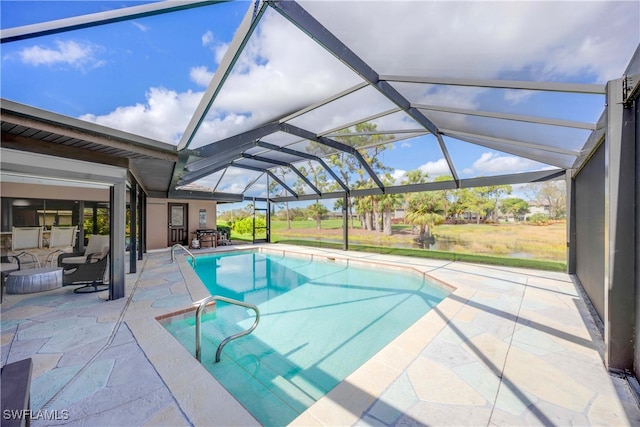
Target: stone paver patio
{"x": 507, "y": 347}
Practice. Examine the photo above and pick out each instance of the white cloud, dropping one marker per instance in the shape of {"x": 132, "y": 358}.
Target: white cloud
{"x": 140, "y": 26}
{"x": 200, "y": 75}
{"x": 217, "y": 47}
{"x": 517, "y": 96}
{"x": 75, "y": 54}
{"x": 495, "y": 164}
{"x": 207, "y": 38}
{"x": 282, "y": 70}
{"x": 398, "y": 175}
{"x": 547, "y": 40}
{"x": 434, "y": 169}
{"x": 164, "y": 116}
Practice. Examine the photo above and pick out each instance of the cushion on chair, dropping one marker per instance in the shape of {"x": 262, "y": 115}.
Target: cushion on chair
{"x": 26, "y": 238}
{"x": 63, "y": 237}
{"x": 97, "y": 245}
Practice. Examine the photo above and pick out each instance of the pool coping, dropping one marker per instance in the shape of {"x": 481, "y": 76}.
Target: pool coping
{"x": 192, "y": 385}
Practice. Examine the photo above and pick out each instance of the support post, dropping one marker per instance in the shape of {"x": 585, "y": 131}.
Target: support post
{"x": 345, "y": 222}
{"x": 142, "y": 246}
{"x": 268, "y": 221}
{"x": 133, "y": 226}
{"x": 118, "y": 204}
{"x": 619, "y": 268}
{"x": 571, "y": 222}
{"x": 80, "y": 239}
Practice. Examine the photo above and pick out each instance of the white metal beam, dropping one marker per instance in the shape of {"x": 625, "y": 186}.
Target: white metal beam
{"x": 100, "y": 18}
{"x": 507, "y": 116}
{"x": 466, "y": 136}
{"x": 595, "y": 89}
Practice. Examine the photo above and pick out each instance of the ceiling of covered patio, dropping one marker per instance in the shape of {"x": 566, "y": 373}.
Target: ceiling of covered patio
{"x": 315, "y": 99}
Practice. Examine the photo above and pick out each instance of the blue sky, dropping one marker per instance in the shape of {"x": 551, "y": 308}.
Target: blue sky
{"x": 147, "y": 76}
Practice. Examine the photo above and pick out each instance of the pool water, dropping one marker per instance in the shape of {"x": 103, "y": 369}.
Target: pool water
{"x": 320, "y": 321}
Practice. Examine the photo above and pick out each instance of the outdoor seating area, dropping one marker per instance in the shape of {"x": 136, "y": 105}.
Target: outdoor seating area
{"x": 209, "y": 238}
{"x": 36, "y": 264}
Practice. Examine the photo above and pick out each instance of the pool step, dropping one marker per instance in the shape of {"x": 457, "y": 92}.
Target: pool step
{"x": 253, "y": 369}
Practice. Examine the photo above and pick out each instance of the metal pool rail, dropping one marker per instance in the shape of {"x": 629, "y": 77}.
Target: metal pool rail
{"x": 178, "y": 245}
{"x": 201, "y": 307}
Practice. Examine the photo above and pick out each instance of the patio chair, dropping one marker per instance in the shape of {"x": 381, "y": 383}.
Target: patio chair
{"x": 8, "y": 264}
{"x": 62, "y": 240}
{"x": 26, "y": 238}
{"x": 87, "y": 268}
{"x": 223, "y": 240}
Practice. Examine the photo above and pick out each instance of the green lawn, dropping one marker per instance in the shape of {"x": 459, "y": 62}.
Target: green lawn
{"x": 510, "y": 244}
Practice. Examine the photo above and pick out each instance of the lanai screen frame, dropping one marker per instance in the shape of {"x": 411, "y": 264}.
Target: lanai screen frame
{"x": 231, "y": 152}
{"x": 224, "y": 153}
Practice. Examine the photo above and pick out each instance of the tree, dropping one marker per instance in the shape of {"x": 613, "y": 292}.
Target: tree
{"x": 416, "y": 176}
{"x": 471, "y": 201}
{"x": 387, "y": 203}
{"x": 445, "y": 195}
{"x": 488, "y": 198}
{"x": 317, "y": 211}
{"x": 273, "y": 186}
{"x": 424, "y": 209}
{"x": 514, "y": 206}
{"x": 370, "y": 146}
{"x": 551, "y": 194}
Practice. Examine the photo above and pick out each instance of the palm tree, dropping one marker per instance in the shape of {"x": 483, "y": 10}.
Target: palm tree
{"x": 424, "y": 209}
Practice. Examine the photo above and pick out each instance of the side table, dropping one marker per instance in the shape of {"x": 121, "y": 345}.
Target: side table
{"x": 34, "y": 280}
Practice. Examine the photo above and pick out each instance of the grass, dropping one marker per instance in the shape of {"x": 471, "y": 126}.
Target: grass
{"x": 451, "y": 256}
{"x": 327, "y": 224}
{"x": 539, "y": 247}
{"x": 542, "y": 242}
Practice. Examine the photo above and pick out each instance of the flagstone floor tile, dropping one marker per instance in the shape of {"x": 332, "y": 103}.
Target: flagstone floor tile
{"x": 508, "y": 347}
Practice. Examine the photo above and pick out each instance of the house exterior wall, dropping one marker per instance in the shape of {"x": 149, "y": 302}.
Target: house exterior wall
{"x": 158, "y": 219}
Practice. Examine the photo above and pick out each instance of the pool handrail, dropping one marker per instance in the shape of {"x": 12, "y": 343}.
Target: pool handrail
{"x": 173, "y": 253}
{"x": 203, "y": 303}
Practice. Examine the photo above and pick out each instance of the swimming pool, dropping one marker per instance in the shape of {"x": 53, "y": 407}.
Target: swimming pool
{"x": 320, "y": 320}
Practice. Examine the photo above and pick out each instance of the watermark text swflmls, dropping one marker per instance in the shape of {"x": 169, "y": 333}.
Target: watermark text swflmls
{"x": 44, "y": 414}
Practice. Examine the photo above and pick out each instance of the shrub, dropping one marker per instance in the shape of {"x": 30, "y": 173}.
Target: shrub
{"x": 245, "y": 225}
{"x": 224, "y": 229}
{"x": 539, "y": 219}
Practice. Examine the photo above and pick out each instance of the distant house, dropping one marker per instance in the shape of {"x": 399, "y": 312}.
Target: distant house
{"x": 535, "y": 208}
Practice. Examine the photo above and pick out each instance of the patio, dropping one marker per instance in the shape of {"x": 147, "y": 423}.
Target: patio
{"x": 507, "y": 347}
